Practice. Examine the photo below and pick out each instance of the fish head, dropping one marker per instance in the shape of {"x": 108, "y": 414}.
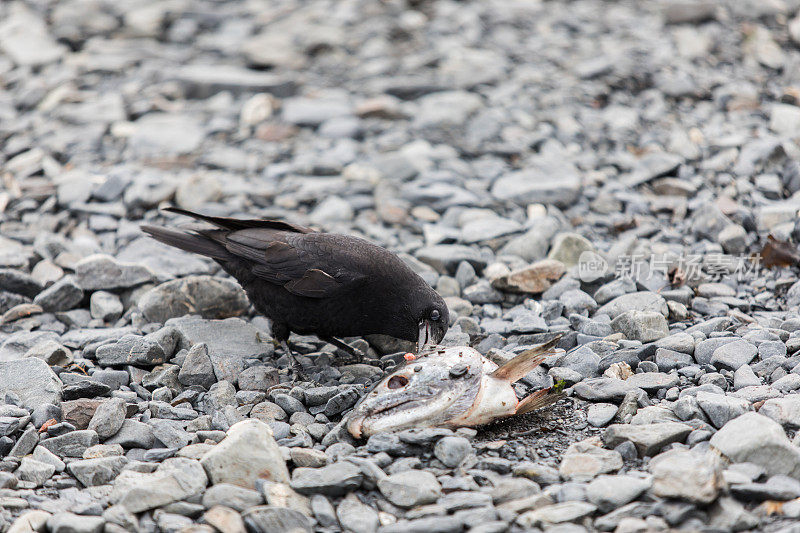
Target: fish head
{"x": 426, "y": 392}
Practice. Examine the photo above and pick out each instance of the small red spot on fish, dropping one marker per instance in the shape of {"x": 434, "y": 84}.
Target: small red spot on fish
{"x": 409, "y": 356}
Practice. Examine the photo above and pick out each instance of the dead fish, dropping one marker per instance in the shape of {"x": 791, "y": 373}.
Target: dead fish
{"x": 450, "y": 387}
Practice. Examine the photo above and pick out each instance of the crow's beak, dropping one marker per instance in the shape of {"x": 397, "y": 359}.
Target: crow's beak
{"x": 424, "y": 335}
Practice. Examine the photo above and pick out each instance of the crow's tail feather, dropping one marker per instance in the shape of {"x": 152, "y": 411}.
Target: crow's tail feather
{"x": 190, "y": 242}
{"x": 238, "y": 224}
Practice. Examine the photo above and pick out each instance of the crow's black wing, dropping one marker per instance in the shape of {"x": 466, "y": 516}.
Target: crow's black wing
{"x": 314, "y": 265}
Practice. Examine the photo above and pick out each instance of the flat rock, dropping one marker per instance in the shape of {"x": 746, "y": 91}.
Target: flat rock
{"x": 533, "y": 279}
{"x": 224, "y": 519}
{"x": 785, "y": 411}
{"x": 229, "y": 342}
{"x": 103, "y": 272}
{"x": 757, "y": 439}
{"x": 644, "y": 326}
{"x": 780, "y": 488}
{"x": 73, "y": 523}
{"x": 733, "y": 354}
{"x": 51, "y": 352}
{"x": 25, "y": 39}
{"x": 207, "y": 296}
{"x": 445, "y": 258}
{"x": 31, "y": 380}
{"x": 602, "y": 389}
{"x": 611, "y": 492}
{"x": 232, "y": 496}
{"x": 556, "y": 514}
{"x": 71, "y": 444}
{"x": 600, "y": 414}
{"x": 63, "y": 295}
{"x": 133, "y": 434}
{"x": 686, "y": 475}
{"x": 704, "y": 350}
{"x": 410, "y": 488}
{"x": 356, "y": 517}
{"x": 175, "y": 479}
{"x": 19, "y": 283}
{"x": 203, "y": 81}
{"x": 635, "y": 301}
{"x": 132, "y": 350}
{"x": 585, "y": 460}
{"x": 538, "y": 183}
{"x": 721, "y": 409}
{"x": 163, "y": 134}
{"x": 332, "y": 480}
{"x": 98, "y": 471}
{"x": 247, "y": 453}
{"x": 162, "y": 259}
{"x": 272, "y": 519}
{"x": 648, "y": 439}
{"x": 36, "y": 472}
{"x": 653, "y": 381}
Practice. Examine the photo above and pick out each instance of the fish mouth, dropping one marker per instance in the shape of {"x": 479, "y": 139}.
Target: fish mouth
{"x": 355, "y": 425}
{"x": 425, "y": 337}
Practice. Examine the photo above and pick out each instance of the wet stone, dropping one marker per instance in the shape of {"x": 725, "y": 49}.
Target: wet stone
{"x": 206, "y": 296}
{"x": 71, "y": 444}
{"x": 99, "y": 272}
{"x": 63, "y": 295}
{"x": 754, "y": 438}
{"x": 733, "y": 355}
{"x": 644, "y": 326}
{"x": 410, "y": 488}
{"x": 451, "y": 451}
{"x": 331, "y": 480}
{"x": 686, "y": 475}
{"x": 648, "y": 439}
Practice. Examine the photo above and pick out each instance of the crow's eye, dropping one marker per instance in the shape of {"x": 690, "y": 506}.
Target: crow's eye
{"x": 435, "y": 314}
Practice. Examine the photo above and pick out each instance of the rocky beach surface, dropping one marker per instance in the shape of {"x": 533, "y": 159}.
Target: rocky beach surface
{"x": 626, "y": 174}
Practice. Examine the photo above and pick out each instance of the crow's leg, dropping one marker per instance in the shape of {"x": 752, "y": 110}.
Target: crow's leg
{"x": 357, "y": 354}
{"x": 296, "y": 366}
{"x": 280, "y": 332}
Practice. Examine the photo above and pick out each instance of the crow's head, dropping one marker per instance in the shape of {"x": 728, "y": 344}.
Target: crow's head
{"x": 431, "y": 317}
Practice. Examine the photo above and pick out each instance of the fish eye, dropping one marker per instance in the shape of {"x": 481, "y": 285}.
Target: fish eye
{"x": 435, "y": 314}
{"x": 397, "y": 382}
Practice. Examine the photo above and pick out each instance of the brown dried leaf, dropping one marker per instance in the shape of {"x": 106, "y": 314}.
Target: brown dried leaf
{"x": 47, "y": 424}
{"x": 779, "y": 253}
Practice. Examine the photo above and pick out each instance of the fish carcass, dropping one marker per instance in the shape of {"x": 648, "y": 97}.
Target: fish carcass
{"x": 450, "y": 387}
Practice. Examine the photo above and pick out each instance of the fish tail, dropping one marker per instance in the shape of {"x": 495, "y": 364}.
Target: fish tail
{"x": 537, "y": 400}
{"x": 515, "y": 369}
{"x": 189, "y": 242}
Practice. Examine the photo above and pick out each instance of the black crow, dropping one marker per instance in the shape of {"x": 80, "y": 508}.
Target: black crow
{"x": 309, "y": 282}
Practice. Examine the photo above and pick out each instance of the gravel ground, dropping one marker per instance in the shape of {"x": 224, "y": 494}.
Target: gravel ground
{"x": 606, "y": 170}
